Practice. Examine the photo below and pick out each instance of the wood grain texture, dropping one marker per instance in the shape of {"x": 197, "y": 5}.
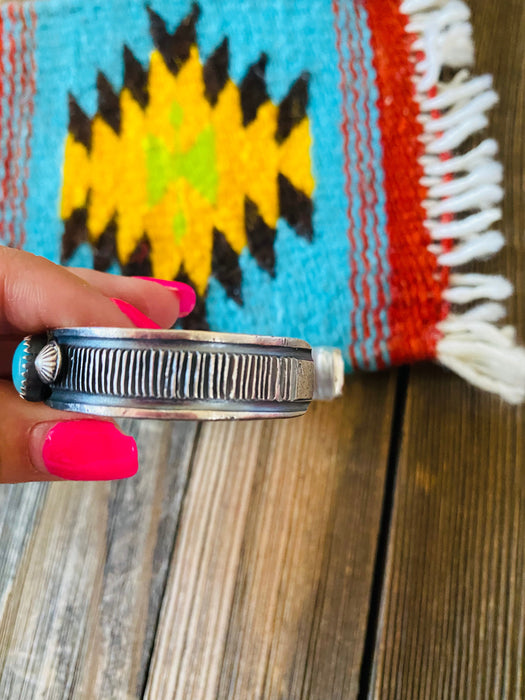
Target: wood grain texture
{"x": 84, "y": 569}
{"x": 270, "y": 580}
{"x": 452, "y": 620}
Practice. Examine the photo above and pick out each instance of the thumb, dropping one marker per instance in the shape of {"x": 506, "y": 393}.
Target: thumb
{"x": 38, "y": 443}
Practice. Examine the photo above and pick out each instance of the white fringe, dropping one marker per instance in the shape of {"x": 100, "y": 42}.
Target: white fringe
{"x": 485, "y": 355}
{"x": 466, "y": 185}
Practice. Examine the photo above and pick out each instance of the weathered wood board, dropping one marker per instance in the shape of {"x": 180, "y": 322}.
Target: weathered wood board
{"x": 269, "y": 584}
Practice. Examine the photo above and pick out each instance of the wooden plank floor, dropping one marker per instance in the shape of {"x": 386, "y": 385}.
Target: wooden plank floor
{"x": 372, "y": 549}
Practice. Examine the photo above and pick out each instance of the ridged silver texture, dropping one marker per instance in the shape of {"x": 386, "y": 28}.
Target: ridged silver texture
{"x": 183, "y": 375}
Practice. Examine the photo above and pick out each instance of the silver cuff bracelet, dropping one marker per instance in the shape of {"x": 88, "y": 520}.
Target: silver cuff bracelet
{"x": 189, "y": 375}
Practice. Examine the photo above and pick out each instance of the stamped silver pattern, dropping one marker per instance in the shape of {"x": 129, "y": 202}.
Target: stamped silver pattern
{"x": 179, "y": 374}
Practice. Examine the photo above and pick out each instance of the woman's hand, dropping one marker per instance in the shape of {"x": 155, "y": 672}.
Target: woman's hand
{"x": 38, "y": 443}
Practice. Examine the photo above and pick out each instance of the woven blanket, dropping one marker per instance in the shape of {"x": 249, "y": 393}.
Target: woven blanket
{"x": 301, "y": 164}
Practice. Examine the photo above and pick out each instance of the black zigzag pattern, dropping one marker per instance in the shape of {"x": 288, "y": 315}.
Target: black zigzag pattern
{"x": 295, "y": 207}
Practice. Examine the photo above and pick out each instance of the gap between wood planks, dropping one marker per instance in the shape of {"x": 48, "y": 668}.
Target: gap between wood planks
{"x": 376, "y": 590}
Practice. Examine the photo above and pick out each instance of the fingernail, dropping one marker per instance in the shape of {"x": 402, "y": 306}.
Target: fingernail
{"x": 185, "y": 293}
{"x": 83, "y": 450}
{"x": 134, "y": 315}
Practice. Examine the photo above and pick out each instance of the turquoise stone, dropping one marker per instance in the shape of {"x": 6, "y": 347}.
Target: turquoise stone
{"x": 19, "y": 366}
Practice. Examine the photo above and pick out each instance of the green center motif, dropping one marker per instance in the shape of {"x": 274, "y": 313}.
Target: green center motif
{"x": 196, "y": 165}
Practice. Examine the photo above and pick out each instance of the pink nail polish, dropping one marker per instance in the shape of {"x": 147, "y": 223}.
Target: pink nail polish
{"x": 134, "y": 315}
{"x": 89, "y": 450}
{"x": 185, "y": 293}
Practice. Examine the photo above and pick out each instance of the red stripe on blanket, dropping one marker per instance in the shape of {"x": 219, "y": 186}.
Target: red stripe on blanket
{"x": 8, "y": 184}
{"x": 29, "y": 86}
{"x": 417, "y": 281}
{"x": 345, "y": 127}
{"x": 17, "y": 93}
{"x": 355, "y": 64}
{"x": 369, "y": 209}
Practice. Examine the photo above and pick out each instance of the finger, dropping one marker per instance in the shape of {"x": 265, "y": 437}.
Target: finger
{"x": 142, "y": 292}
{"x": 36, "y": 294}
{"x": 38, "y": 443}
{"x": 7, "y": 350}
